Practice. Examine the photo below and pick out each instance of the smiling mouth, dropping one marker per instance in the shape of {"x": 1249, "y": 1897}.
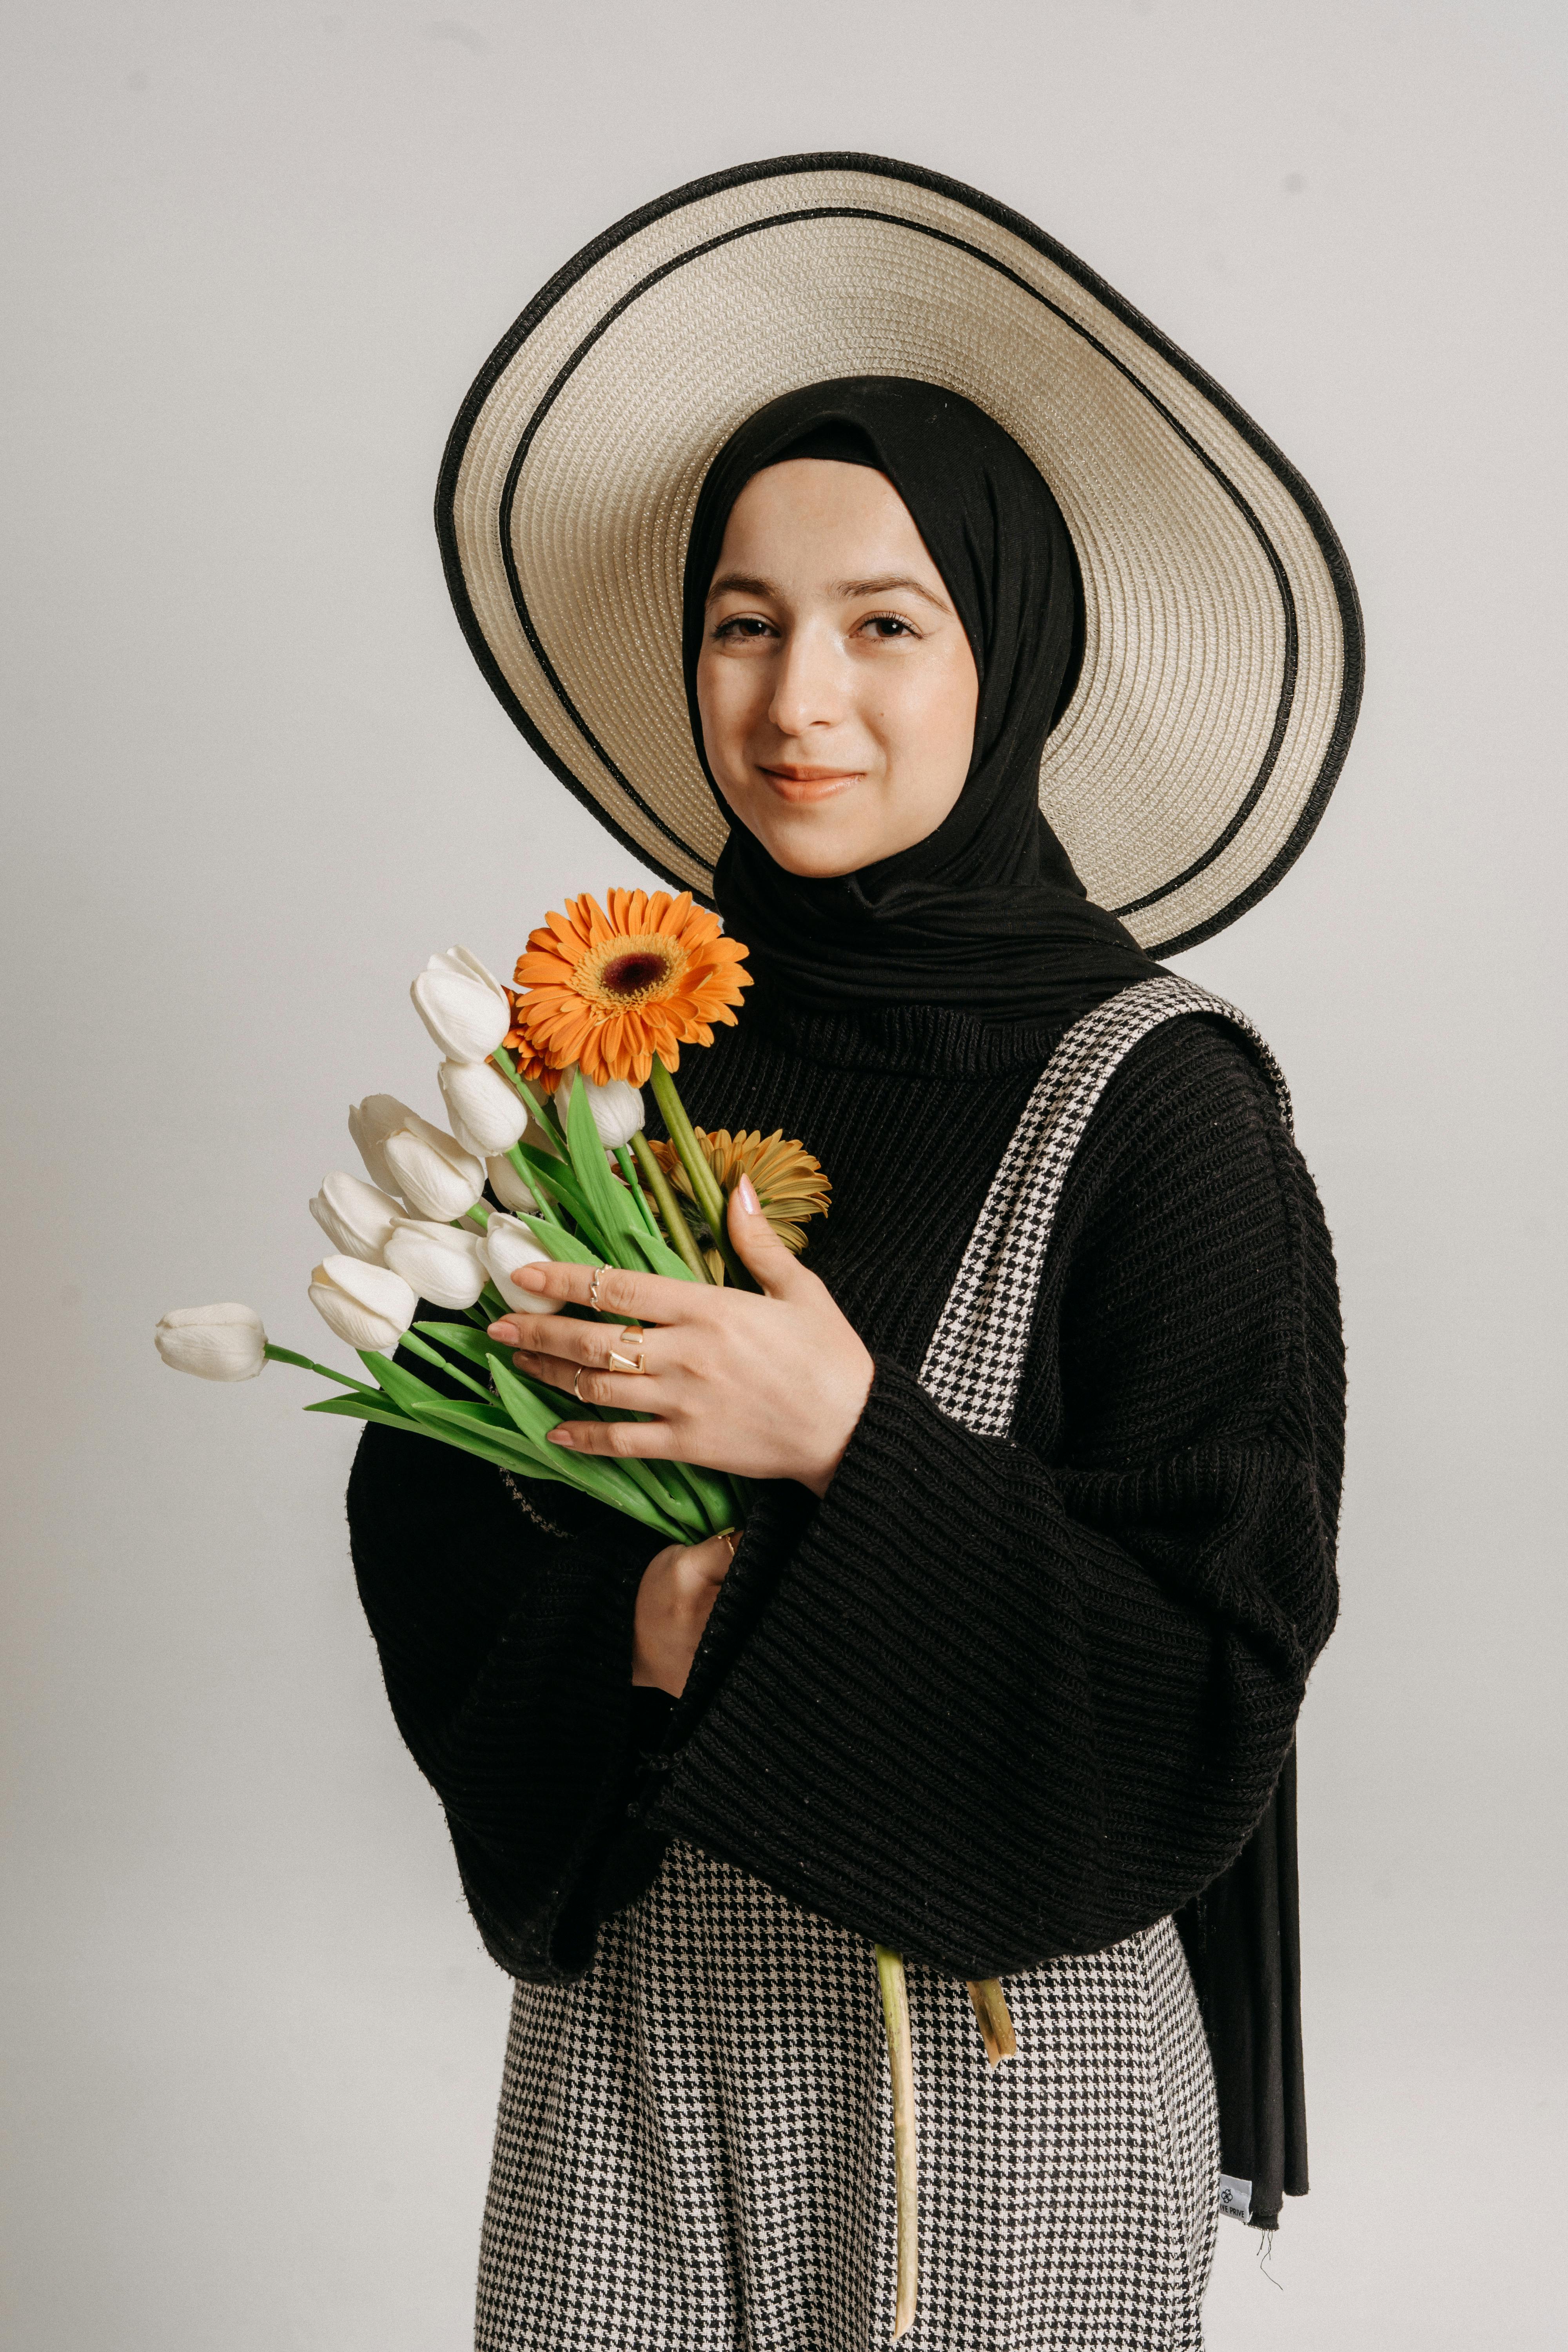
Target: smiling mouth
{"x": 802, "y": 784}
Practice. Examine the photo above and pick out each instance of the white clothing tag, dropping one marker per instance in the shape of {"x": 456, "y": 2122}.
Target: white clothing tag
{"x": 1235, "y": 2196}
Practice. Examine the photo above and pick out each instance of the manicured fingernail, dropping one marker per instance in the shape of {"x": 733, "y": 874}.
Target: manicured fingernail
{"x": 746, "y": 1193}
{"x": 559, "y": 1437}
{"x": 499, "y": 1331}
{"x": 532, "y": 1277}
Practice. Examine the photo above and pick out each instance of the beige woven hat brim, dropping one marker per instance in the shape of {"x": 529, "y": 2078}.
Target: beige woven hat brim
{"x": 1222, "y": 663}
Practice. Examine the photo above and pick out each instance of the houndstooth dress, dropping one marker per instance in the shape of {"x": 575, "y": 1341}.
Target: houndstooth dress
{"x": 694, "y": 2148}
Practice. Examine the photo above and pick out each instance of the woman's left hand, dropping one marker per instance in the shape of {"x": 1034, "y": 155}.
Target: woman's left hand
{"x": 770, "y": 1387}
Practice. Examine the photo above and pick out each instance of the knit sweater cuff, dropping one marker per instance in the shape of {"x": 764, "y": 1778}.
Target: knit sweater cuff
{"x": 906, "y": 1464}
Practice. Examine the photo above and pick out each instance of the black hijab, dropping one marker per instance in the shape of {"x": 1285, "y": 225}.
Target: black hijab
{"x": 986, "y": 914}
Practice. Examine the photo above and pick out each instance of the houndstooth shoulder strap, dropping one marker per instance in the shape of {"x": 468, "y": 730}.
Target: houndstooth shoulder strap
{"x": 976, "y": 1360}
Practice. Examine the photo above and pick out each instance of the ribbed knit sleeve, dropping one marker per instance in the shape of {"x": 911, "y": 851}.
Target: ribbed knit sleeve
{"x": 507, "y": 1654}
{"x": 996, "y": 1700}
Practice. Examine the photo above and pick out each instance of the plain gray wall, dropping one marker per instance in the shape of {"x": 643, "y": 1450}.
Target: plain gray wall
{"x": 255, "y": 256}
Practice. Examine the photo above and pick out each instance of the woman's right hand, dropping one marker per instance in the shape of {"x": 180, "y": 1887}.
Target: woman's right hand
{"x": 675, "y": 1600}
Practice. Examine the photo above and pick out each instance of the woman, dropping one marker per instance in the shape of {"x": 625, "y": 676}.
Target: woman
{"x": 1005, "y": 1684}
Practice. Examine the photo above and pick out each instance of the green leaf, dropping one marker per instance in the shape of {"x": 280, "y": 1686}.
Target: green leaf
{"x": 404, "y": 1387}
{"x": 659, "y": 1259}
{"x": 423, "y": 1403}
{"x": 661, "y": 1481}
{"x": 633, "y": 1188}
{"x": 507, "y": 1444}
{"x": 501, "y": 1445}
{"x": 595, "y": 1474}
{"x": 610, "y": 1206}
{"x": 357, "y": 1406}
{"x": 653, "y": 1250}
{"x": 561, "y": 1183}
{"x": 463, "y": 1339}
{"x": 490, "y": 1423}
{"x": 566, "y": 1249}
{"x": 478, "y": 1416}
{"x": 523, "y": 1403}
{"x": 713, "y": 1494}
{"x": 354, "y": 1408}
{"x": 696, "y": 1501}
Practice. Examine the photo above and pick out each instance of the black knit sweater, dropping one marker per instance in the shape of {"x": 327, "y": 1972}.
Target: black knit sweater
{"x": 989, "y": 1700}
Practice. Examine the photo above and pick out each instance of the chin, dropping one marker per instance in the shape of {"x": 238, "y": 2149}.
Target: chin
{"x": 814, "y": 842}
{"x": 815, "y": 861}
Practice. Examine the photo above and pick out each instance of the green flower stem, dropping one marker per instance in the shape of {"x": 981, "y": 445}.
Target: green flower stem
{"x": 679, "y": 1231}
{"x": 900, "y": 2064}
{"x": 309, "y": 1364}
{"x": 547, "y": 1208}
{"x": 542, "y": 1109}
{"x": 475, "y": 1217}
{"x": 624, "y": 1162}
{"x": 706, "y": 1188}
{"x": 543, "y": 1117}
{"x": 418, "y": 1346}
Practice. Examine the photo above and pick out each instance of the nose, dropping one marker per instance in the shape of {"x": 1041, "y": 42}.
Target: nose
{"x": 808, "y": 690}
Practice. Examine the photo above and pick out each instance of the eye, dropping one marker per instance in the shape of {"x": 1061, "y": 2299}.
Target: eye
{"x": 885, "y": 626}
{"x": 744, "y": 628}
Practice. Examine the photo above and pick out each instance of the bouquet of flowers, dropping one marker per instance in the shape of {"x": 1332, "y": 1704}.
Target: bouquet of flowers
{"x": 544, "y": 1157}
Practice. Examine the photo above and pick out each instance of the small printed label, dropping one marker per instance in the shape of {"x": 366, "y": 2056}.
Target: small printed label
{"x": 1235, "y": 2196}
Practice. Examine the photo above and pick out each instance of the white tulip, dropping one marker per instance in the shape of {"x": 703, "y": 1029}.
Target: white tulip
{"x": 503, "y": 1247}
{"x": 465, "y": 1010}
{"x": 487, "y": 1114}
{"x": 370, "y": 1124}
{"x": 217, "y": 1343}
{"x": 543, "y": 1138}
{"x": 616, "y": 1107}
{"x": 435, "y": 1175}
{"x": 440, "y": 1262}
{"x": 367, "y": 1306}
{"x": 508, "y": 1185}
{"x": 355, "y": 1217}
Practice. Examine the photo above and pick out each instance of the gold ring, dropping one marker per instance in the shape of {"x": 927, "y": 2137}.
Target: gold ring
{"x": 594, "y": 1289}
{"x": 625, "y": 1362}
{"x": 576, "y": 1378}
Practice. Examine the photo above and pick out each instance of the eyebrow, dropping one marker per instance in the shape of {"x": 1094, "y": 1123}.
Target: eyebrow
{"x": 745, "y": 583}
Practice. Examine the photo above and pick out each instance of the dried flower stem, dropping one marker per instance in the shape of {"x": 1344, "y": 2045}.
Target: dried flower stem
{"x": 991, "y": 2016}
{"x": 900, "y": 2065}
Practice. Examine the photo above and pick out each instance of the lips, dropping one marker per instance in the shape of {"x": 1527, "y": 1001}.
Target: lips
{"x": 805, "y": 784}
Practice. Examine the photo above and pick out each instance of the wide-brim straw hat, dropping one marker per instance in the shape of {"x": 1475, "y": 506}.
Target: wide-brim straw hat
{"x": 1222, "y": 663}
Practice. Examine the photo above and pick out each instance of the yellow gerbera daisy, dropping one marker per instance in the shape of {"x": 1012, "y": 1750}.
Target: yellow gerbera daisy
{"x": 789, "y": 1181}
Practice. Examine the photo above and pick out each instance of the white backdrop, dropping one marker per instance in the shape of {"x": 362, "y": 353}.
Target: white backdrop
{"x": 255, "y": 256}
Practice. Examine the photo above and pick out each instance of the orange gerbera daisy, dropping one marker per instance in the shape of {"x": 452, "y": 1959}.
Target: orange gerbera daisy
{"x": 611, "y": 991}
{"x": 531, "y": 1066}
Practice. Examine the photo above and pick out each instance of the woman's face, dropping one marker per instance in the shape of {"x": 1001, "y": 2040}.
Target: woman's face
{"x": 836, "y": 683}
